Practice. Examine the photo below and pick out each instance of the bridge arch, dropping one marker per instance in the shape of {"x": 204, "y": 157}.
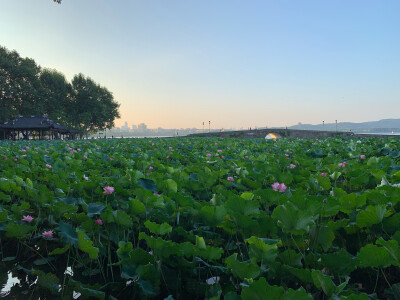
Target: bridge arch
{"x": 272, "y": 136}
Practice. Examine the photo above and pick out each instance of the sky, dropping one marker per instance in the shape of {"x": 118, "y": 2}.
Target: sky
{"x": 177, "y": 64}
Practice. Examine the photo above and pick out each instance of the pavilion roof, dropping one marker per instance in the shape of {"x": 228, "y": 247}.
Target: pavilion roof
{"x": 32, "y": 123}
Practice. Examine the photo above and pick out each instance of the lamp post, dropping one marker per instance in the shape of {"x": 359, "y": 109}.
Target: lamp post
{"x": 336, "y": 125}
{"x": 323, "y": 125}
{"x": 209, "y": 126}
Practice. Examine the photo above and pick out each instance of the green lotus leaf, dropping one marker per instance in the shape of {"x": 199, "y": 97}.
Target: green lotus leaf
{"x": 47, "y": 281}
{"x": 122, "y": 218}
{"x": 171, "y": 185}
{"x": 349, "y": 202}
{"x": 67, "y": 233}
{"x": 94, "y": 209}
{"x": 291, "y": 258}
{"x": 361, "y": 296}
{"x": 371, "y": 215}
{"x": 146, "y": 288}
{"x": 261, "y": 251}
{"x": 392, "y": 247}
{"x": 212, "y": 215}
{"x": 136, "y": 207}
{"x": 347, "y": 262}
{"x": 86, "y": 245}
{"x": 59, "y": 251}
{"x": 160, "y": 229}
{"x": 147, "y": 184}
{"x": 292, "y": 220}
{"x": 18, "y": 231}
{"x": 242, "y": 270}
{"x": 260, "y": 289}
{"x": 242, "y": 206}
{"x": 323, "y": 282}
{"x": 374, "y": 256}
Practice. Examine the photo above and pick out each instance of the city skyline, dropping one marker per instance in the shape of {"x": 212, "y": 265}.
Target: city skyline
{"x": 177, "y": 64}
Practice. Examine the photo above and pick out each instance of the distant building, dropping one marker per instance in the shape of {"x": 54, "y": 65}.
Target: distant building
{"x": 125, "y": 127}
{"x": 142, "y": 127}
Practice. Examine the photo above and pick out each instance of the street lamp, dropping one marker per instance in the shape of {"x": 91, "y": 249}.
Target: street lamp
{"x": 336, "y": 125}
{"x": 323, "y": 125}
{"x": 209, "y": 126}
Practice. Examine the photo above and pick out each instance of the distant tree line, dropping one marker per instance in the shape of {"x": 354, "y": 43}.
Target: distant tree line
{"x": 27, "y": 89}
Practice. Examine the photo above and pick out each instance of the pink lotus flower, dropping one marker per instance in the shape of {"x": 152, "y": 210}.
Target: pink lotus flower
{"x": 108, "y": 190}
{"x": 231, "y": 179}
{"x": 23, "y": 150}
{"x": 362, "y": 156}
{"x": 27, "y": 218}
{"x": 275, "y": 186}
{"x": 15, "y": 159}
{"x": 5, "y": 157}
{"x": 216, "y": 154}
{"x": 323, "y": 174}
{"x": 99, "y": 222}
{"x": 246, "y": 156}
{"x": 151, "y": 168}
{"x": 286, "y": 154}
{"x": 47, "y": 234}
{"x": 292, "y": 166}
{"x": 219, "y": 150}
{"x": 281, "y": 187}
{"x": 85, "y": 157}
{"x": 341, "y": 165}
{"x": 48, "y": 166}
{"x": 222, "y": 157}
{"x": 208, "y": 154}
{"x": 85, "y": 178}
{"x": 170, "y": 148}
{"x": 168, "y": 156}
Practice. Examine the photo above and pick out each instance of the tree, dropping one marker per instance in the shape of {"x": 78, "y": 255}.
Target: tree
{"x": 92, "y": 108}
{"x": 56, "y": 93}
{"x": 20, "y": 88}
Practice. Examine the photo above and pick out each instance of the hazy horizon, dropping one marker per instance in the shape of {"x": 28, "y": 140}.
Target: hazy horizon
{"x": 237, "y": 64}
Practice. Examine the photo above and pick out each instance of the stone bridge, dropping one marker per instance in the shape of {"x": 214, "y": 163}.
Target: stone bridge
{"x": 276, "y": 133}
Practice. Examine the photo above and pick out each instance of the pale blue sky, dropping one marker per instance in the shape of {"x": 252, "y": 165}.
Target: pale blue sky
{"x": 236, "y": 63}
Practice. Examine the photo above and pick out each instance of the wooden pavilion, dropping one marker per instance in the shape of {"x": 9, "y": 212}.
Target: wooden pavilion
{"x": 35, "y": 127}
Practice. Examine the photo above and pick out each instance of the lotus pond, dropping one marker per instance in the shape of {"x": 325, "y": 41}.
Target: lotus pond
{"x": 200, "y": 218}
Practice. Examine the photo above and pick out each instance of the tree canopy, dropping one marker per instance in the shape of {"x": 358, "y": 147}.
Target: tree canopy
{"x": 28, "y": 89}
